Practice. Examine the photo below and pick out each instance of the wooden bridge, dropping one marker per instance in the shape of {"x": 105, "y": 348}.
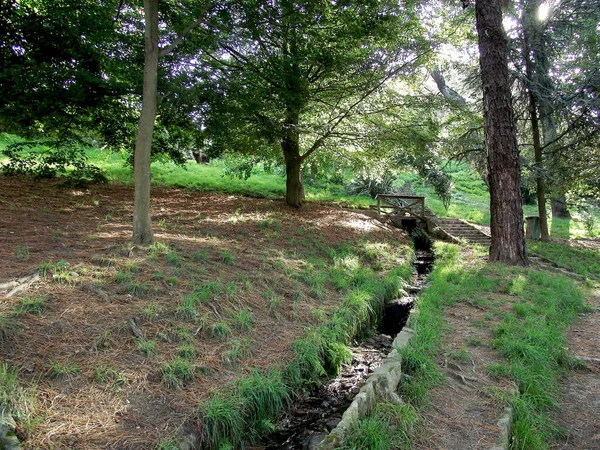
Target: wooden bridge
{"x": 410, "y": 206}
{"x": 408, "y": 209}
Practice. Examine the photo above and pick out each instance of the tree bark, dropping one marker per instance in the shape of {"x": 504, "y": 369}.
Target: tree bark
{"x": 142, "y": 224}
{"x": 294, "y": 188}
{"x": 508, "y": 237}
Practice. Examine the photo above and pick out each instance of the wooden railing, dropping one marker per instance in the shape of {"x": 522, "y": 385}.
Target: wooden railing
{"x": 411, "y": 205}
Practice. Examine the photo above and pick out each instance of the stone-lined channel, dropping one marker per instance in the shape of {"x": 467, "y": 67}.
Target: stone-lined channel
{"x": 317, "y": 412}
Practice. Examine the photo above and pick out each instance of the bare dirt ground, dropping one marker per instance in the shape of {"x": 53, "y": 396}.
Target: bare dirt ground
{"x": 95, "y": 379}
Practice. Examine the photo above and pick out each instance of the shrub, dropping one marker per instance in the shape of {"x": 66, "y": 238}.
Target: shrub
{"x": 52, "y": 160}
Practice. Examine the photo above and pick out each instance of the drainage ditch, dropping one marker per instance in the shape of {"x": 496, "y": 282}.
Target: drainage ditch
{"x": 319, "y": 411}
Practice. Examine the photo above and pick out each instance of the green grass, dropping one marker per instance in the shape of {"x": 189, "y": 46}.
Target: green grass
{"x": 239, "y": 350}
{"x": 581, "y": 261}
{"x": 109, "y": 376}
{"x": 532, "y": 340}
{"x": 390, "y": 426}
{"x": 9, "y": 327}
{"x": 61, "y": 370}
{"x": 31, "y": 305}
{"x": 243, "y": 320}
{"x": 220, "y": 330}
{"x": 177, "y": 373}
{"x": 212, "y": 177}
{"x": 15, "y": 400}
{"x": 147, "y": 347}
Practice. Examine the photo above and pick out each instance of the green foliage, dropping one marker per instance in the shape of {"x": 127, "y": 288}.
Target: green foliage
{"x": 51, "y": 160}
{"x": 59, "y": 271}
{"x": 239, "y": 349}
{"x": 108, "y": 375}
{"x": 147, "y": 347}
{"x": 9, "y": 327}
{"x": 223, "y": 421}
{"x": 22, "y": 252}
{"x": 187, "y": 351}
{"x": 227, "y": 258}
{"x": 243, "y": 320}
{"x": 371, "y": 185}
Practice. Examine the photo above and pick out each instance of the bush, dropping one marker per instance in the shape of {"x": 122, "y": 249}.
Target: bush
{"x": 371, "y": 184}
{"x": 58, "y": 160}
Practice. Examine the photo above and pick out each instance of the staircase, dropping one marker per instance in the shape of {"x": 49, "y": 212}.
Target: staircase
{"x": 462, "y": 230}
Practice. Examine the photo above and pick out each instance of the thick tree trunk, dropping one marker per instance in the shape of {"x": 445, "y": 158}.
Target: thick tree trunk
{"x": 508, "y": 237}
{"x": 142, "y": 225}
{"x": 294, "y": 189}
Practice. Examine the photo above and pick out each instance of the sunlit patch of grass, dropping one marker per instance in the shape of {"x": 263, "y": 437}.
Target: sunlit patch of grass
{"x": 581, "y": 261}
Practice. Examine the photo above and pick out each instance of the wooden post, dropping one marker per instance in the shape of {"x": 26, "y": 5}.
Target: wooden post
{"x": 378, "y": 206}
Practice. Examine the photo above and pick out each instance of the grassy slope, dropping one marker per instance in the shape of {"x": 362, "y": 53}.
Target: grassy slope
{"x": 528, "y": 312}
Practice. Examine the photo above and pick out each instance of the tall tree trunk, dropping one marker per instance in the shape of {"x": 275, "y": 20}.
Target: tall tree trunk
{"x": 535, "y": 132}
{"x": 294, "y": 188}
{"x": 142, "y": 224}
{"x": 508, "y": 236}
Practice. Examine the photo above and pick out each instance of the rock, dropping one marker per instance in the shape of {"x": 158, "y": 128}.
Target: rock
{"x": 313, "y": 441}
{"x": 135, "y": 330}
{"x": 8, "y": 438}
{"x": 332, "y": 423}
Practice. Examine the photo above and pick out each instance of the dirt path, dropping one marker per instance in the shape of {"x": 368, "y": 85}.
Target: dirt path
{"x": 579, "y": 405}
{"x": 464, "y": 412}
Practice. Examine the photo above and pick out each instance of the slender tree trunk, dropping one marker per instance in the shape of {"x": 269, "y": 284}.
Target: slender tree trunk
{"x": 537, "y": 145}
{"x": 539, "y": 165}
{"x": 313, "y": 173}
{"x": 508, "y": 237}
{"x": 142, "y": 225}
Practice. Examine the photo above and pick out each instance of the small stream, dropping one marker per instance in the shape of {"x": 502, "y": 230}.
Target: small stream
{"x": 319, "y": 411}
